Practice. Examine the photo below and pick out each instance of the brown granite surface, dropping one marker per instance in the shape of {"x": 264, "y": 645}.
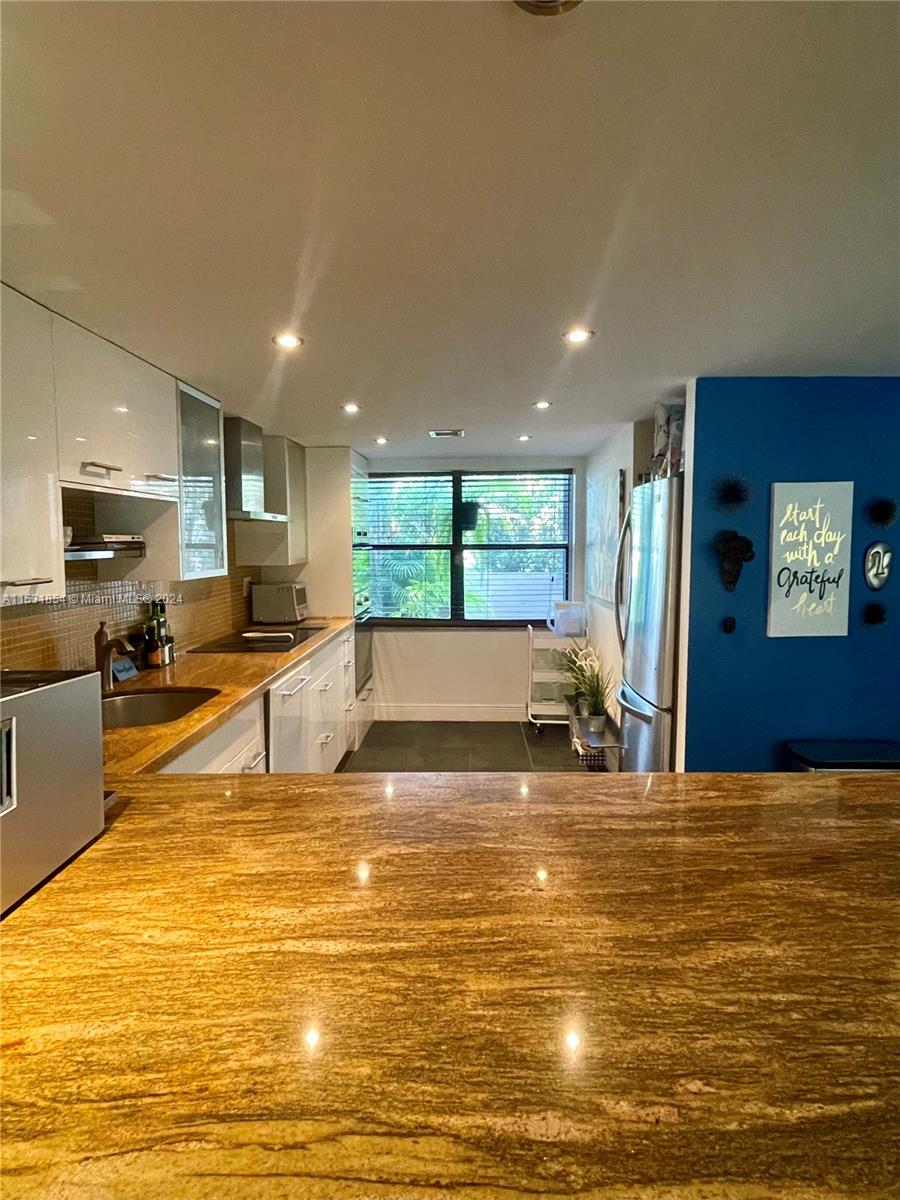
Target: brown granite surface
{"x": 723, "y": 948}
{"x": 239, "y": 678}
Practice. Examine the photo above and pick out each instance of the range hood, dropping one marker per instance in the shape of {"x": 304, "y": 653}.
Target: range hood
{"x": 245, "y": 487}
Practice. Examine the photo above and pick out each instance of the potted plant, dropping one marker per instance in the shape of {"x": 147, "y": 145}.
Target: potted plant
{"x": 590, "y": 683}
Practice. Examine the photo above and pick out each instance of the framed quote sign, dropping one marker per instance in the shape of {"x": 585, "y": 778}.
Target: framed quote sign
{"x": 809, "y": 559}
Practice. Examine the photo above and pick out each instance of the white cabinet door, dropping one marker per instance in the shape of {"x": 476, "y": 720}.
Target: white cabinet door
{"x": 116, "y": 419}
{"x": 233, "y": 740}
{"x": 250, "y": 761}
{"x": 31, "y": 544}
{"x": 327, "y": 723}
{"x": 289, "y": 743}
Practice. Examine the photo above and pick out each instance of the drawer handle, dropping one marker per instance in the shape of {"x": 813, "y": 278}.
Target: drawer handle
{"x": 302, "y": 684}
{"x": 324, "y": 738}
{"x": 23, "y": 582}
{"x": 349, "y": 662}
{"x": 162, "y": 478}
{"x": 349, "y": 707}
{"x": 326, "y": 687}
{"x": 255, "y": 763}
{"x": 103, "y": 466}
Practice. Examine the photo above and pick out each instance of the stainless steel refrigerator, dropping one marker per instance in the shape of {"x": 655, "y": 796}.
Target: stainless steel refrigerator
{"x": 648, "y": 575}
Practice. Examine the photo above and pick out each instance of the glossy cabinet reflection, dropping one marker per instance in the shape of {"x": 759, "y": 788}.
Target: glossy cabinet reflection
{"x": 202, "y": 497}
{"x": 31, "y": 541}
{"x": 115, "y": 416}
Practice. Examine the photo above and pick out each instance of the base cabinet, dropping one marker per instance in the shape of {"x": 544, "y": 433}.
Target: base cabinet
{"x": 311, "y": 712}
{"x": 237, "y": 747}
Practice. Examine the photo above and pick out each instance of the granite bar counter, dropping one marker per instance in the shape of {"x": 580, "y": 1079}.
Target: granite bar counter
{"x": 490, "y": 986}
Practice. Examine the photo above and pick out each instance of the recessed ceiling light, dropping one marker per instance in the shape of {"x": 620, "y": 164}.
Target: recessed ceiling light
{"x": 541, "y": 404}
{"x": 381, "y": 441}
{"x": 578, "y": 335}
{"x": 32, "y": 437}
{"x": 287, "y": 341}
{"x": 80, "y": 439}
{"x": 121, "y": 408}
{"x": 351, "y": 408}
{"x": 524, "y": 437}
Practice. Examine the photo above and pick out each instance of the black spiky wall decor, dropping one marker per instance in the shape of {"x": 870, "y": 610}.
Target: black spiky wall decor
{"x": 874, "y": 614}
{"x": 731, "y": 492}
{"x": 881, "y": 511}
{"x": 729, "y": 624}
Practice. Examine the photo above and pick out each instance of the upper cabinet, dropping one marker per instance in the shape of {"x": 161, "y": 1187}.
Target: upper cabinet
{"x": 203, "y": 531}
{"x": 31, "y": 545}
{"x": 116, "y": 416}
{"x": 276, "y": 543}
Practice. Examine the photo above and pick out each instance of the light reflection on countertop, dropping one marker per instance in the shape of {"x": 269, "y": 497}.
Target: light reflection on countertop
{"x": 317, "y": 987}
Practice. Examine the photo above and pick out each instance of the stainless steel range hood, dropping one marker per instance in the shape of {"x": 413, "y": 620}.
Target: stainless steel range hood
{"x": 245, "y": 487}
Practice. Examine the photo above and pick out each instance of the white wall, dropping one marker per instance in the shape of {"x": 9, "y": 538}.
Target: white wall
{"x": 628, "y": 448}
{"x": 450, "y": 674}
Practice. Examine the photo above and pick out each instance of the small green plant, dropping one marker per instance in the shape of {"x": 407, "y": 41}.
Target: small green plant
{"x": 591, "y": 684}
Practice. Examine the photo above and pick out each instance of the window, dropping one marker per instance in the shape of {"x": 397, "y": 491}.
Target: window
{"x": 467, "y": 547}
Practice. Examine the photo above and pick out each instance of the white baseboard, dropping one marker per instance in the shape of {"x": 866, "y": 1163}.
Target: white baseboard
{"x": 450, "y": 712}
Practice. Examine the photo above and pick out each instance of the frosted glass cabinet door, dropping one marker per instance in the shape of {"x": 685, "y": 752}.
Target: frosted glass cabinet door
{"x": 31, "y": 542}
{"x": 115, "y": 416}
{"x": 202, "y": 499}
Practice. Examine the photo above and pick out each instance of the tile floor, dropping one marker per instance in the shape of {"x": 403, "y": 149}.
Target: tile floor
{"x": 463, "y": 746}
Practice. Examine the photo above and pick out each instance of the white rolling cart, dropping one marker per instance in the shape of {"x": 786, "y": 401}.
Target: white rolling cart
{"x": 547, "y": 684}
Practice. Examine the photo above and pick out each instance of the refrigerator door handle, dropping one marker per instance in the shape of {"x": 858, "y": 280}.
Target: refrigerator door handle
{"x": 639, "y": 713}
{"x": 617, "y": 587}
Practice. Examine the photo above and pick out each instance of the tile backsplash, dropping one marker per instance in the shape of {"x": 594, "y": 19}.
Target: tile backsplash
{"x": 61, "y": 636}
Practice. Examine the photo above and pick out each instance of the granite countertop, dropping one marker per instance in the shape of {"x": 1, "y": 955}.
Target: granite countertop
{"x": 239, "y": 678}
{"x": 490, "y": 986}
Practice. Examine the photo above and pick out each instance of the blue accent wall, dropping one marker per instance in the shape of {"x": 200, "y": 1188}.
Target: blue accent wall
{"x": 748, "y": 693}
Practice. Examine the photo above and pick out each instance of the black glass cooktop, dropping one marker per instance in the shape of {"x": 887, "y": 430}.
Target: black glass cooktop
{"x": 261, "y": 639}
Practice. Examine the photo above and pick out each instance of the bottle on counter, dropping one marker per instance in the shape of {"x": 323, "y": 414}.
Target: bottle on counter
{"x": 152, "y": 648}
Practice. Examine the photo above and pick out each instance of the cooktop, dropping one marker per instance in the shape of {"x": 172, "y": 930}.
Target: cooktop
{"x": 261, "y": 639}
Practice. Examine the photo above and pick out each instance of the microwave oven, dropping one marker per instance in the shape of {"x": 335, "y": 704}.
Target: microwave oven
{"x": 278, "y": 603}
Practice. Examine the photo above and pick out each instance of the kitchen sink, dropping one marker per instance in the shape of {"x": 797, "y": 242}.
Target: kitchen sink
{"x": 155, "y": 706}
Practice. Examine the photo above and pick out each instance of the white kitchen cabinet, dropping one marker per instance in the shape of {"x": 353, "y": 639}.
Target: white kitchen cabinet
{"x": 278, "y": 543}
{"x": 31, "y": 541}
{"x": 241, "y": 741}
{"x": 327, "y": 723}
{"x": 310, "y": 721}
{"x": 115, "y": 416}
{"x": 289, "y": 742}
{"x": 204, "y": 542}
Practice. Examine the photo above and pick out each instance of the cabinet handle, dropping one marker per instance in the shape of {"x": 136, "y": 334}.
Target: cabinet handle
{"x": 162, "y": 478}
{"x": 326, "y": 687}
{"x": 349, "y": 662}
{"x": 255, "y": 763}
{"x": 103, "y": 466}
{"x": 349, "y": 707}
{"x": 23, "y": 582}
{"x": 302, "y": 684}
{"x": 324, "y": 738}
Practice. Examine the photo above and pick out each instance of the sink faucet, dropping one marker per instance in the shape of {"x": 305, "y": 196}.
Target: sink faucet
{"x": 104, "y": 649}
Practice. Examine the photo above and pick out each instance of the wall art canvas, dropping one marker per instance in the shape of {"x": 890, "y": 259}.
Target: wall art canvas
{"x": 605, "y": 513}
{"x": 809, "y": 559}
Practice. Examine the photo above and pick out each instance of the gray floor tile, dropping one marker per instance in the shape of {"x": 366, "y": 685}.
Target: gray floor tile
{"x": 378, "y": 758}
{"x": 391, "y": 733}
{"x": 434, "y": 758}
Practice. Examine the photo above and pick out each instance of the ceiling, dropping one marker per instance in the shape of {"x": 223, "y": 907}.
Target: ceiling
{"x": 431, "y": 192}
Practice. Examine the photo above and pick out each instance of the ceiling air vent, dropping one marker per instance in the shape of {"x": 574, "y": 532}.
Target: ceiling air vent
{"x": 547, "y": 8}
{"x": 445, "y": 433}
